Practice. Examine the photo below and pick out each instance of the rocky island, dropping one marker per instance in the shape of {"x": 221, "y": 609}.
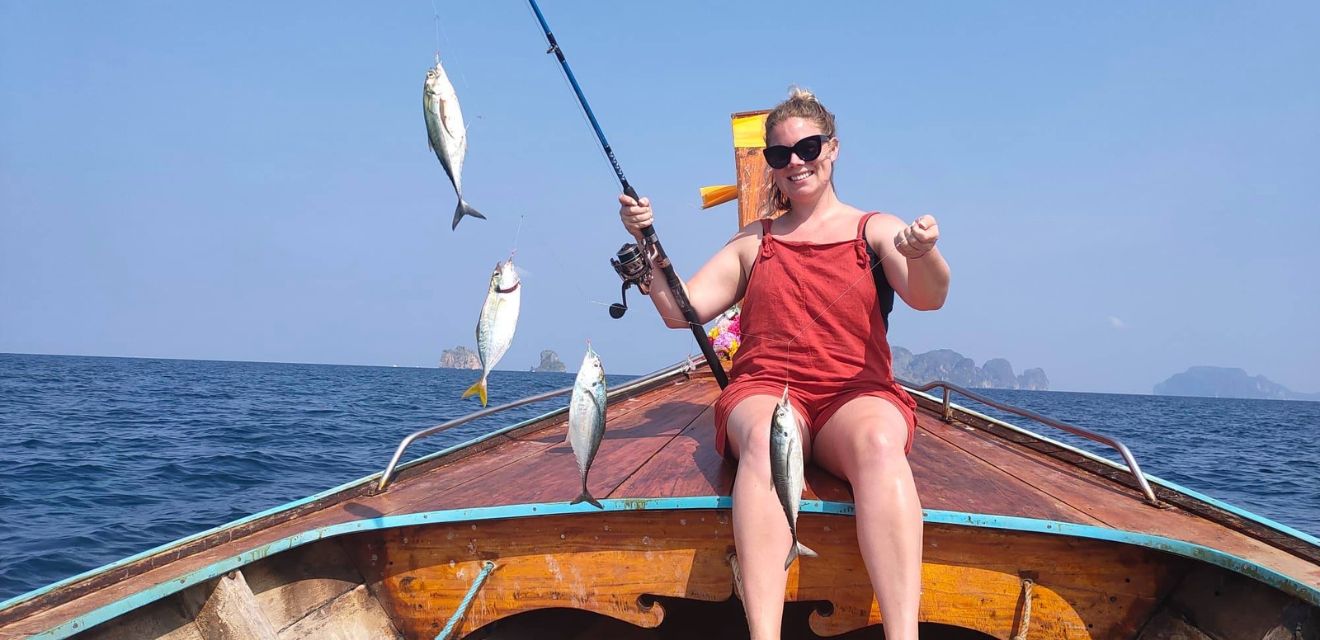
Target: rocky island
{"x": 951, "y": 366}
{"x": 550, "y": 363}
{"x": 1227, "y": 382}
{"x": 459, "y": 358}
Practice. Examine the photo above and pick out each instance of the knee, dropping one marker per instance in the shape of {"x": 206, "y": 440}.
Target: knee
{"x": 754, "y": 456}
{"x": 879, "y": 447}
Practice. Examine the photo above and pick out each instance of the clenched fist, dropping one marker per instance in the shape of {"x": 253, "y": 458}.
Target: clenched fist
{"x": 918, "y": 238}
{"x": 635, "y": 214}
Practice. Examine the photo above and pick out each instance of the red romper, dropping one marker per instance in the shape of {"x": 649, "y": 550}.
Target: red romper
{"x": 812, "y": 317}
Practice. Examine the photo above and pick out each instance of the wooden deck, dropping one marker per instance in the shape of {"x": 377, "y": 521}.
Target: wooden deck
{"x": 659, "y": 444}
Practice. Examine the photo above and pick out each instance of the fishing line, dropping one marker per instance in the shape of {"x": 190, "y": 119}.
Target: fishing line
{"x": 435, "y": 11}
{"x": 650, "y": 241}
{"x": 516, "y": 233}
{"x": 563, "y": 268}
{"x": 449, "y": 48}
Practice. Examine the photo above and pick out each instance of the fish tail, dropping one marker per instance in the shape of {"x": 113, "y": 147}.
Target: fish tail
{"x": 798, "y": 549}
{"x": 478, "y": 388}
{"x": 586, "y": 497}
{"x": 465, "y": 209}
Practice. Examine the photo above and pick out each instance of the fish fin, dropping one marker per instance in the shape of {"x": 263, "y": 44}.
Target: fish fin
{"x": 805, "y": 551}
{"x": 465, "y": 209}
{"x": 797, "y": 550}
{"x": 479, "y": 388}
{"x": 586, "y": 497}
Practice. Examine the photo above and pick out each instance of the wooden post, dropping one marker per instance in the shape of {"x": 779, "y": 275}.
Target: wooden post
{"x": 753, "y": 177}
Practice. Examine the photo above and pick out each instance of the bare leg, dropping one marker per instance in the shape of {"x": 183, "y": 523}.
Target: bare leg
{"x": 863, "y": 443}
{"x": 760, "y": 530}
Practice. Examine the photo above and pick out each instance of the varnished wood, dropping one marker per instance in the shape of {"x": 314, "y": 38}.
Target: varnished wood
{"x": 753, "y": 179}
{"x": 606, "y": 563}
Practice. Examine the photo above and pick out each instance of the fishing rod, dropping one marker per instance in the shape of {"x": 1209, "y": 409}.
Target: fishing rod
{"x": 631, "y": 261}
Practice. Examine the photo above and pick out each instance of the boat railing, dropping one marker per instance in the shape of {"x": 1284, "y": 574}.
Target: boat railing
{"x": 683, "y": 367}
{"x": 948, "y": 388}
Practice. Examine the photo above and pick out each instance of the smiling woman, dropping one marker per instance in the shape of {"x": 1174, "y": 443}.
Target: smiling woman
{"x": 814, "y": 326}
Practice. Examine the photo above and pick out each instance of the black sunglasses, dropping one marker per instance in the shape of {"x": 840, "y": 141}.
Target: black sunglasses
{"x": 807, "y": 148}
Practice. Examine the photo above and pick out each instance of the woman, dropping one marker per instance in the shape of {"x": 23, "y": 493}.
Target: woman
{"x": 817, "y": 283}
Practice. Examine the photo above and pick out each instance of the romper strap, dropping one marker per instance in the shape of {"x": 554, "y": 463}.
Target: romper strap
{"x": 766, "y": 251}
{"x": 861, "y": 224}
{"x": 863, "y": 248}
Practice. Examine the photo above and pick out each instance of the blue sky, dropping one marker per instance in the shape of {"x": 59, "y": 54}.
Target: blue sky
{"x": 1124, "y": 190}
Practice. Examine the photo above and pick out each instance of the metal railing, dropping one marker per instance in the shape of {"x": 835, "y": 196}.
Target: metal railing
{"x": 1114, "y": 443}
{"x": 682, "y": 367}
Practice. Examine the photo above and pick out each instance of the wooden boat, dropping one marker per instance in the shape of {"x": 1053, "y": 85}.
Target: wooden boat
{"x": 1025, "y": 537}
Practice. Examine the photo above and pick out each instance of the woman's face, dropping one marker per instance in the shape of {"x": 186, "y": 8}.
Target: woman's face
{"x": 802, "y": 179}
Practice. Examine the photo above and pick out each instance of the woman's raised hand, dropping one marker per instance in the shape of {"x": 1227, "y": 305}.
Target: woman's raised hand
{"x": 635, "y": 214}
{"x": 918, "y": 238}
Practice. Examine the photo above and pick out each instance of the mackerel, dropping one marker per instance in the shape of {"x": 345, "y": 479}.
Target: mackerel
{"x": 586, "y": 419}
{"x": 786, "y": 470}
{"x": 446, "y": 134}
{"x": 498, "y": 321}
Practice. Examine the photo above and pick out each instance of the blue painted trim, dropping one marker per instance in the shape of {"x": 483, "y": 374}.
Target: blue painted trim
{"x": 1172, "y": 486}
{"x": 1197, "y": 552}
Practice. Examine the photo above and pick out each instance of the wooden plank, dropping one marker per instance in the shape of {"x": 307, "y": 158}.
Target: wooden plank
{"x": 1168, "y": 626}
{"x": 629, "y": 441}
{"x": 597, "y": 562}
{"x": 1094, "y": 495}
{"x": 1228, "y": 605}
{"x": 949, "y": 478}
{"x": 355, "y": 615}
{"x": 687, "y": 466}
{"x": 225, "y": 609}
{"x": 424, "y": 492}
{"x": 1111, "y": 505}
{"x": 160, "y": 620}
{"x": 972, "y": 578}
{"x": 604, "y": 562}
{"x": 690, "y": 466}
{"x": 290, "y": 585}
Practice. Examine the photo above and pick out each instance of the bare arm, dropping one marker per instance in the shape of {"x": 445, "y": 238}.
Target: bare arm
{"x": 913, "y": 266}
{"x": 715, "y": 287}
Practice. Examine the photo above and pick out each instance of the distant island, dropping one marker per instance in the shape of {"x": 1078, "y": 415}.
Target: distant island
{"x": 941, "y": 364}
{"x": 951, "y": 366}
{"x": 459, "y": 358}
{"x": 549, "y": 363}
{"x": 1227, "y": 382}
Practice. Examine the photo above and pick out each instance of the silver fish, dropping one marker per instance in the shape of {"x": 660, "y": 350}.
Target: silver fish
{"x": 499, "y": 319}
{"x": 786, "y": 470}
{"x": 586, "y": 419}
{"x": 446, "y": 133}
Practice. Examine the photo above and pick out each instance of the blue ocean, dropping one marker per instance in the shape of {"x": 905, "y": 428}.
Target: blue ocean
{"x": 101, "y": 458}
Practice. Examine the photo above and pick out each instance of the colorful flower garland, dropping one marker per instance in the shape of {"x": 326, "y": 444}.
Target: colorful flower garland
{"x": 726, "y": 335}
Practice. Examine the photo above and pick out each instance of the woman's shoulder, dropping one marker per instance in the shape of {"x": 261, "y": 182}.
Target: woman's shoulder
{"x": 880, "y": 220}
{"x": 750, "y": 232}
{"x": 881, "y": 228}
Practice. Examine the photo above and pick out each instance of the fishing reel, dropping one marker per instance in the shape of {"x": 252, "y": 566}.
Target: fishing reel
{"x": 633, "y": 264}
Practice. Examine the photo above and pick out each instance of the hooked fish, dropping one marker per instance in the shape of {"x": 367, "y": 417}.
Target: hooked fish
{"x": 786, "y": 470}
{"x": 586, "y": 418}
{"x": 446, "y": 133}
{"x": 499, "y": 319}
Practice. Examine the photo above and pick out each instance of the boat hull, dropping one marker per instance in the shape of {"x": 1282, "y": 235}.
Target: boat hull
{"x": 410, "y": 581}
